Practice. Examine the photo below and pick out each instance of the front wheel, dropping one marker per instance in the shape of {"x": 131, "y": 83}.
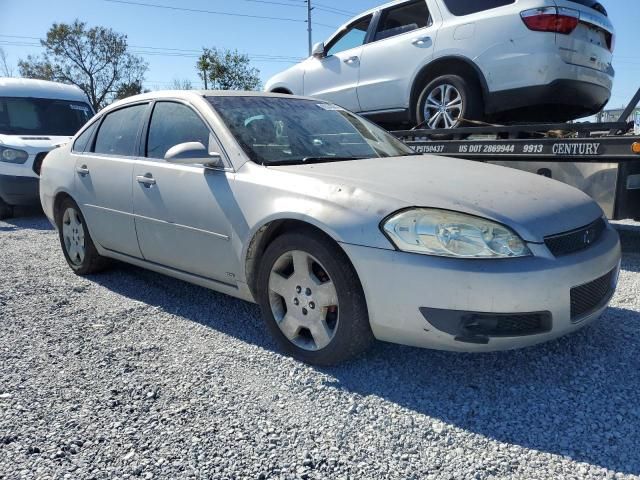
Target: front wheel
{"x": 6, "y": 210}
{"x": 311, "y": 299}
{"x": 447, "y": 101}
{"x": 77, "y": 245}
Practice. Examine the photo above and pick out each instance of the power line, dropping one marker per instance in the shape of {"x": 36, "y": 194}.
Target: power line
{"x": 211, "y": 12}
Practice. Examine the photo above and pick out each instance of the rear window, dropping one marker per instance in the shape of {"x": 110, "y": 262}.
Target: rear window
{"x": 119, "y": 131}
{"x": 405, "y": 18}
{"x": 467, "y": 7}
{"x": 592, "y": 4}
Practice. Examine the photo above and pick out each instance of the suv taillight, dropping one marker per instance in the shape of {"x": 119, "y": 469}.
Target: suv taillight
{"x": 551, "y": 19}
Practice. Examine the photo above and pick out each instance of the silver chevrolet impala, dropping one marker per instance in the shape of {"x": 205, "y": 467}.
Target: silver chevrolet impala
{"x": 336, "y": 229}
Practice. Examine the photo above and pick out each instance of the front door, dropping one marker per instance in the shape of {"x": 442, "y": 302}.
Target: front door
{"x": 179, "y": 219}
{"x": 335, "y": 77}
{"x": 103, "y": 180}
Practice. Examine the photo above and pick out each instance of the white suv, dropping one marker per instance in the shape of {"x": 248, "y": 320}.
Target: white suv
{"x": 437, "y": 62}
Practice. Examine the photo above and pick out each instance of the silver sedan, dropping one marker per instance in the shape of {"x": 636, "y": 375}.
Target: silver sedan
{"x": 336, "y": 229}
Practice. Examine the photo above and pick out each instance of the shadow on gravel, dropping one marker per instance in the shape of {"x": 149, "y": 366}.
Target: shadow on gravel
{"x": 576, "y": 397}
{"x": 26, "y": 218}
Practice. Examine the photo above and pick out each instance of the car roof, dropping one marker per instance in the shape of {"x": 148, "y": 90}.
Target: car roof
{"x": 192, "y": 94}
{"x": 30, "y": 88}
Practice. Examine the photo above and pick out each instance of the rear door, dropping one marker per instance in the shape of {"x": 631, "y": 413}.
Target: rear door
{"x": 335, "y": 77}
{"x": 178, "y": 208}
{"x": 403, "y": 42}
{"x": 591, "y": 43}
{"x": 103, "y": 179}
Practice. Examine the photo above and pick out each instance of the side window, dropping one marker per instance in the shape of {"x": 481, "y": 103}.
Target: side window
{"x": 467, "y": 7}
{"x": 82, "y": 143}
{"x": 171, "y": 124}
{"x": 119, "y": 131}
{"x": 354, "y": 37}
{"x": 402, "y": 19}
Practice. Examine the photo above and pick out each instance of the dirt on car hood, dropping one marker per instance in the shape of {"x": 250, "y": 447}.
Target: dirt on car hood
{"x": 534, "y": 206}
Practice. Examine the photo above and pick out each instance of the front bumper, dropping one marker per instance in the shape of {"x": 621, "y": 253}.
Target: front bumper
{"x": 18, "y": 190}
{"x": 398, "y": 285}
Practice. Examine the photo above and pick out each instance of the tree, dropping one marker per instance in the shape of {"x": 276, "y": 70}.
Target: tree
{"x": 95, "y": 59}
{"x": 227, "y": 70}
{"x": 5, "y": 69}
{"x": 181, "y": 84}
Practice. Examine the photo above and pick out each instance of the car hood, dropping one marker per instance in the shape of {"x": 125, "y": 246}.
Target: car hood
{"x": 532, "y": 205}
{"x": 33, "y": 143}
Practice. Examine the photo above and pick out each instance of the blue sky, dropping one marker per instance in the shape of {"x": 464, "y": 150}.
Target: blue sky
{"x": 169, "y": 39}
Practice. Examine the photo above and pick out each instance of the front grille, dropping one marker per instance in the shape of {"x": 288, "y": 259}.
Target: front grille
{"x": 592, "y": 296}
{"x": 511, "y": 325}
{"x": 37, "y": 163}
{"x": 576, "y": 240}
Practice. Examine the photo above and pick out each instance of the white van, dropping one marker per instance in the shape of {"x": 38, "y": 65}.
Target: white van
{"x": 35, "y": 117}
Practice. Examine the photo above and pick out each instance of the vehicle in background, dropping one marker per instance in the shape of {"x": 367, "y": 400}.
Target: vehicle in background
{"x": 35, "y": 117}
{"x": 440, "y": 62}
{"x": 339, "y": 231}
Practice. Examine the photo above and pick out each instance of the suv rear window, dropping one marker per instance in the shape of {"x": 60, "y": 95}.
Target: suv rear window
{"x": 597, "y": 6}
{"x": 467, "y": 7}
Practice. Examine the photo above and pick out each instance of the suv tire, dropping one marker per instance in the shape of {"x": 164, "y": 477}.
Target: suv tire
{"x": 447, "y": 101}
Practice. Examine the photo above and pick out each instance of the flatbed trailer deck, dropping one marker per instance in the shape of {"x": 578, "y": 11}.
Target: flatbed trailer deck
{"x": 601, "y": 159}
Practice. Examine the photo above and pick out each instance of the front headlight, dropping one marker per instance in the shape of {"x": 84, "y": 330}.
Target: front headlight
{"x": 452, "y": 234}
{"x": 12, "y": 155}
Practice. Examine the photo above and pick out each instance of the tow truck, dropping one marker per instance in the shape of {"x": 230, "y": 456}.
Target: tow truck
{"x": 601, "y": 159}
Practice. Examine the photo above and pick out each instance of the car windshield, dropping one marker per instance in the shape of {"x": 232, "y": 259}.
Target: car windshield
{"x": 282, "y": 131}
{"x": 42, "y": 116}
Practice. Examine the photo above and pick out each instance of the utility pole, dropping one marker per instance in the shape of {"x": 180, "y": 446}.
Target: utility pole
{"x": 309, "y": 28}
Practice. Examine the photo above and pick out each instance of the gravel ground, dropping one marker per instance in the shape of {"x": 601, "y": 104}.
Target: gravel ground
{"x": 133, "y": 375}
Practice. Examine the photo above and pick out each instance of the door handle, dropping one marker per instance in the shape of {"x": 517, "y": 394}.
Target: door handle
{"x": 420, "y": 41}
{"x": 83, "y": 171}
{"x": 147, "y": 180}
{"x": 351, "y": 60}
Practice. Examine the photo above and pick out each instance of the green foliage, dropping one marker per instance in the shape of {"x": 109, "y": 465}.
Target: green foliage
{"x": 227, "y": 70}
{"x": 95, "y": 59}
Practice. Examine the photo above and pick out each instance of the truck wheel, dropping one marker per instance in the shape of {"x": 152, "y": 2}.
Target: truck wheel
{"x": 77, "y": 245}
{"x": 311, "y": 299}
{"x": 6, "y": 210}
{"x": 447, "y": 101}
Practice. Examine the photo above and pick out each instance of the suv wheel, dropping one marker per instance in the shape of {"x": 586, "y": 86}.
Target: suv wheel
{"x": 77, "y": 245}
{"x": 6, "y": 210}
{"x": 447, "y": 101}
{"x": 311, "y": 299}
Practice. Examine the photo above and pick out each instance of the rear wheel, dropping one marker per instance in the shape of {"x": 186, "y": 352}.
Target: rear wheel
{"x": 312, "y": 301}
{"x": 6, "y": 210}
{"x": 77, "y": 245}
{"x": 447, "y": 101}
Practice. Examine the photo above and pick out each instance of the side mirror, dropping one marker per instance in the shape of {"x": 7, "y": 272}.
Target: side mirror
{"x": 193, "y": 153}
{"x": 319, "y": 50}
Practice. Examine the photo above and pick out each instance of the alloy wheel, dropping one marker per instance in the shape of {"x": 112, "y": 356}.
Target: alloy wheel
{"x": 444, "y": 107}
{"x": 303, "y": 300}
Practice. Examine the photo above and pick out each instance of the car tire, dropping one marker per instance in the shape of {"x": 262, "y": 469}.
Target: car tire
{"x": 312, "y": 300}
{"x": 459, "y": 98}
{"x": 75, "y": 240}
{"x": 6, "y": 210}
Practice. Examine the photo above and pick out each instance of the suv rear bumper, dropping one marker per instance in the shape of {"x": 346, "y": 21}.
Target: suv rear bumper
{"x": 16, "y": 190}
{"x": 575, "y": 96}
